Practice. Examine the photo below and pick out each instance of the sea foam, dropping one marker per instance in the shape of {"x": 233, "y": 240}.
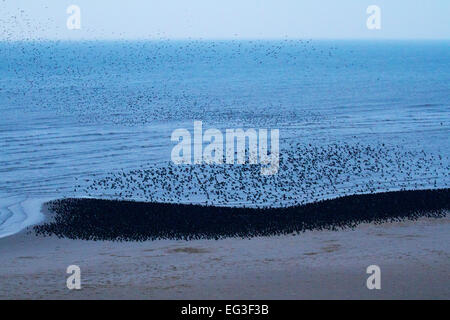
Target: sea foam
{"x": 18, "y": 213}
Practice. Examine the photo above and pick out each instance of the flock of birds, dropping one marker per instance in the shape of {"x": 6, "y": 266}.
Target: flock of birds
{"x": 96, "y": 219}
{"x": 288, "y": 83}
{"x": 306, "y": 174}
{"x": 140, "y": 82}
{"x": 234, "y": 83}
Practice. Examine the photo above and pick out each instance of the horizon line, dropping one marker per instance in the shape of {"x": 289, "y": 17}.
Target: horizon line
{"x": 221, "y": 39}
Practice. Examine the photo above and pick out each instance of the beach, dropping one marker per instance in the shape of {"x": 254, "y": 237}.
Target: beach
{"x": 413, "y": 257}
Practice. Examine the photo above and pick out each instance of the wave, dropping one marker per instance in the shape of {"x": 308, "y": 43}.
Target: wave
{"x": 18, "y": 213}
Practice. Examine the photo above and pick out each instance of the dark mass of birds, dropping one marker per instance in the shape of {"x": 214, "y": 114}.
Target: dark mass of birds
{"x": 237, "y": 201}
{"x": 96, "y": 219}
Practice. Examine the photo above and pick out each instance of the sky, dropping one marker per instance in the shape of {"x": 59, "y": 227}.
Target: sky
{"x": 226, "y": 19}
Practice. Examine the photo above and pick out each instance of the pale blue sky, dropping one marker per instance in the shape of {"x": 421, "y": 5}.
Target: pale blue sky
{"x": 226, "y": 19}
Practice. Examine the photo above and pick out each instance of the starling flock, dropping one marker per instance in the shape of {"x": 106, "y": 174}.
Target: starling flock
{"x": 94, "y": 219}
{"x": 306, "y": 174}
{"x": 298, "y": 86}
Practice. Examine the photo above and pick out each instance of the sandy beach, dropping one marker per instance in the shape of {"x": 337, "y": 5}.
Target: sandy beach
{"x": 413, "y": 257}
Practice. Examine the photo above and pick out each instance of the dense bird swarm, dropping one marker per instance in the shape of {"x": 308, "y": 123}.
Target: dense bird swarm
{"x": 94, "y": 219}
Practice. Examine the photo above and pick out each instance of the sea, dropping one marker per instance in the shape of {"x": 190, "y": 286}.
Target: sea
{"x": 95, "y": 119}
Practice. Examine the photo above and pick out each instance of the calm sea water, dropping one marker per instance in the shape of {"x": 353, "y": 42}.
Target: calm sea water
{"x": 72, "y": 112}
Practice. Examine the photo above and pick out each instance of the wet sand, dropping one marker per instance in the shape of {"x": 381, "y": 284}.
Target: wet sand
{"x": 413, "y": 257}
